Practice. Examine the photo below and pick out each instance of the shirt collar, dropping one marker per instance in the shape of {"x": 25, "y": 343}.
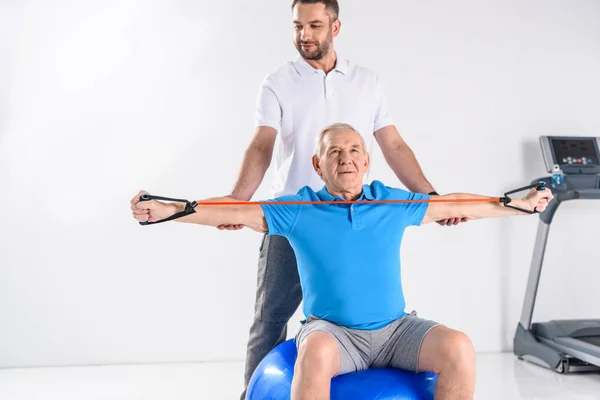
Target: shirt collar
{"x": 305, "y": 69}
{"x": 324, "y": 195}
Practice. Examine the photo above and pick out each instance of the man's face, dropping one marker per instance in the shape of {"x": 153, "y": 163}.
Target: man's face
{"x": 343, "y": 160}
{"x": 313, "y": 30}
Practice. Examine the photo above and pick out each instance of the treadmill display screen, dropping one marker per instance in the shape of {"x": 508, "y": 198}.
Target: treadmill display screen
{"x": 575, "y": 151}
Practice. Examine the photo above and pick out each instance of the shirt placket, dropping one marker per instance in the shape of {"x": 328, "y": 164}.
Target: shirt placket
{"x": 354, "y": 216}
{"x": 327, "y": 84}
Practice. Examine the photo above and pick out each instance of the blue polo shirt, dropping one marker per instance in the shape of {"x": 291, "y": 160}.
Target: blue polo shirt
{"x": 348, "y": 255}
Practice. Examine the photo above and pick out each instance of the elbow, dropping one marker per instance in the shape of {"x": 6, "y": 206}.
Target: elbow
{"x": 395, "y": 148}
{"x": 253, "y": 220}
{"x": 260, "y": 151}
{"x": 259, "y": 227}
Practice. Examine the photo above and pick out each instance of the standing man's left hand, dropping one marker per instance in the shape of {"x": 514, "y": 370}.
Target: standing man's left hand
{"x": 452, "y": 221}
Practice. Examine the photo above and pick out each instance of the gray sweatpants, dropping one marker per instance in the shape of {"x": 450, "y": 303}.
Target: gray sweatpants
{"x": 278, "y": 295}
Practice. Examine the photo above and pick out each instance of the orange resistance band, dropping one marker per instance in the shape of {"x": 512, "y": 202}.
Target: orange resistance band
{"x": 247, "y": 203}
{"x": 189, "y": 206}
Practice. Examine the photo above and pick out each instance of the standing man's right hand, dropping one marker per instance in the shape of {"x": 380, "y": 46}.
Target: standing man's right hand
{"x": 230, "y": 227}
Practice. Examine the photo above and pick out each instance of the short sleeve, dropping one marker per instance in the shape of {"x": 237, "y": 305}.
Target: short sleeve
{"x": 268, "y": 109}
{"x": 409, "y": 213}
{"x": 382, "y": 110}
{"x": 281, "y": 217}
{"x": 416, "y": 211}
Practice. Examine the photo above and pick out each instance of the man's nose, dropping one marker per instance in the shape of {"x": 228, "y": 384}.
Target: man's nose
{"x": 344, "y": 158}
{"x": 305, "y": 35}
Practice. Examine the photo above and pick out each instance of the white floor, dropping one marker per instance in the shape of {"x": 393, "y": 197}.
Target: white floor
{"x": 500, "y": 376}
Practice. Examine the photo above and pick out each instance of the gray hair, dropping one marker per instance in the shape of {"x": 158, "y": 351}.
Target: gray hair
{"x": 334, "y": 127}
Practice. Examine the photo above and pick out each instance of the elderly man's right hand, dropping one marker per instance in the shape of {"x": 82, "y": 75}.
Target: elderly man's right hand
{"x": 151, "y": 210}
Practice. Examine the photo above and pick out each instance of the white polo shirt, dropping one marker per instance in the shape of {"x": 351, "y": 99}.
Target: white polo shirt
{"x": 299, "y": 101}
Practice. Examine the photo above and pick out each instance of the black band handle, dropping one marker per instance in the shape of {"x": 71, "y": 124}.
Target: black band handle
{"x": 189, "y": 208}
{"x": 541, "y": 185}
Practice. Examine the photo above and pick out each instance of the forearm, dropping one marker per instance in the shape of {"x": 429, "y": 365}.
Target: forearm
{"x": 254, "y": 166}
{"x": 473, "y": 210}
{"x": 403, "y": 162}
{"x": 250, "y": 215}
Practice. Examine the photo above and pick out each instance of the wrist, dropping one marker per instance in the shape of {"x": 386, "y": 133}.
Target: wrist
{"x": 519, "y": 203}
{"x": 177, "y": 208}
{"x": 239, "y": 196}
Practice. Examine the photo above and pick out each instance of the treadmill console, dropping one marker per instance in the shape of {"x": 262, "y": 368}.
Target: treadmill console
{"x": 574, "y": 164}
{"x": 574, "y": 155}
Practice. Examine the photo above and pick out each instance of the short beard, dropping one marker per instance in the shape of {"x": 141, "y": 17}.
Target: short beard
{"x": 321, "y": 50}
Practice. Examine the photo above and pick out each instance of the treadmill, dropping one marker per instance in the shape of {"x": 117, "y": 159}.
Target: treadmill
{"x": 561, "y": 345}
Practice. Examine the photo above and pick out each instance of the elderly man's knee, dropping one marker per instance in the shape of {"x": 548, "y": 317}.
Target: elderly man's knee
{"x": 458, "y": 351}
{"x": 318, "y": 354}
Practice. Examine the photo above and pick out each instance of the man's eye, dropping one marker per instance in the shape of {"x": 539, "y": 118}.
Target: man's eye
{"x": 315, "y": 26}
{"x": 355, "y": 150}
{"x": 297, "y": 27}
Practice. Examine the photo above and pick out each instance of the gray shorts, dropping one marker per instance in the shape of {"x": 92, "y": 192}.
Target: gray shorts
{"x": 396, "y": 345}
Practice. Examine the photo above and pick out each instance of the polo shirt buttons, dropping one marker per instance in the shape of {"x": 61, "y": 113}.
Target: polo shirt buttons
{"x": 354, "y": 217}
{"x": 328, "y": 89}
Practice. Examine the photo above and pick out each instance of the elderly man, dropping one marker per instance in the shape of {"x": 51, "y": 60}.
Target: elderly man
{"x": 349, "y": 267}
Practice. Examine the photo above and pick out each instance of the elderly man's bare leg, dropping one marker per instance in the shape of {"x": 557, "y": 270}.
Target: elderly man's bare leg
{"x": 318, "y": 361}
{"x": 449, "y": 354}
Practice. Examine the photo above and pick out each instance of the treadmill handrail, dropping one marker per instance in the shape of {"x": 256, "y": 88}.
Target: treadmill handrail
{"x": 590, "y": 194}
{"x": 582, "y": 194}
{"x": 533, "y": 281}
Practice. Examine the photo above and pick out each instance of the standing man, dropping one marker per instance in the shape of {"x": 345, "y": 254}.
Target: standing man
{"x": 294, "y": 102}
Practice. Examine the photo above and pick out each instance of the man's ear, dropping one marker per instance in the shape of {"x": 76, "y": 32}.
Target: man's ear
{"x": 335, "y": 27}
{"x": 315, "y": 163}
{"x": 367, "y": 160}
